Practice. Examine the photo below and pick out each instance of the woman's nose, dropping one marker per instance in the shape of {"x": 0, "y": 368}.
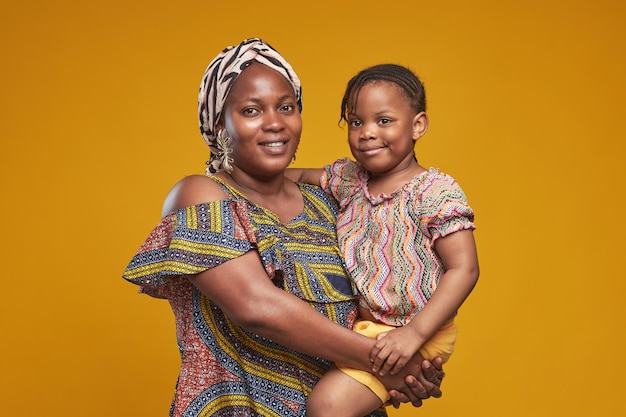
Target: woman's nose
{"x": 273, "y": 120}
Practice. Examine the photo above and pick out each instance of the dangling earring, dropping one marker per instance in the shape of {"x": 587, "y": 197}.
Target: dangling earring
{"x": 222, "y": 142}
{"x": 294, "y": 157}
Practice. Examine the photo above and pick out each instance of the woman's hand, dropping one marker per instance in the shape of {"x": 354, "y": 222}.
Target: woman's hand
{"x": 421, "y": 385}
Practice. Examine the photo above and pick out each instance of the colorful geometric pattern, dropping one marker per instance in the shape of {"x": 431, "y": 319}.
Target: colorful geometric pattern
{"x": 388, "y": 240}
{"x": 225, "y": 370}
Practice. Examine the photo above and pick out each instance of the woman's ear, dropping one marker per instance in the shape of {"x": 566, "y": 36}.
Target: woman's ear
{"x": 420, "y": 125}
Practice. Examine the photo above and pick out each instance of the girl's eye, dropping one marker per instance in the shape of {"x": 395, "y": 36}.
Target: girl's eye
{"x": 355, "y": 123}
{"x": 384, "y": 121}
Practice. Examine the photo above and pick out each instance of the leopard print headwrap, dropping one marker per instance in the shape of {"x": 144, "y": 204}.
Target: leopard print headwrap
{"x": 219, "y": 78}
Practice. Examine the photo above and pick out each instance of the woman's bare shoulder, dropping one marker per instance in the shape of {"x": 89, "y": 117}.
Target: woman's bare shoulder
{"x": 190, "y": 191}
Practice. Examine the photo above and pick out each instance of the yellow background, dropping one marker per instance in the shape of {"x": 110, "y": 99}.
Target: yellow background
{"x": 98, "y": 120}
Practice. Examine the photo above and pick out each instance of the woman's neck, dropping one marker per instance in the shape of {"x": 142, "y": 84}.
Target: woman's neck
{"x": 249, "y": 185}
{"x": 278, "y": 195}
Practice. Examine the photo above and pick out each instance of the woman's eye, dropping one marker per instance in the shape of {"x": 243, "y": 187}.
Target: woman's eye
{"x": 287, "y": 107}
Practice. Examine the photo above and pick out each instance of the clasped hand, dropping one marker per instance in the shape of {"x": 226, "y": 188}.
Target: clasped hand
{"x": 393, "y": 350}
{"x": 418, "y": 380}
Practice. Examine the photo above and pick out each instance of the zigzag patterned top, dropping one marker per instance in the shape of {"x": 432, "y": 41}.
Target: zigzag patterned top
{"x": 388, "y": 241}
{"x": 227, "y": 371}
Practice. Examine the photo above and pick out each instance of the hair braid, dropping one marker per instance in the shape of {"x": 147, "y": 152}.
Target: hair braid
{"x": 397, "y": 74}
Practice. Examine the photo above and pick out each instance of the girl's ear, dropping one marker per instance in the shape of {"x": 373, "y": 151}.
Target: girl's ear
{"x": 420, "y": 125}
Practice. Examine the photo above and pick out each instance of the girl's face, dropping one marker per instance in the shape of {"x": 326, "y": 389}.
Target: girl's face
{"x": 383, "y": 128}
{"x": 262, "y": 118}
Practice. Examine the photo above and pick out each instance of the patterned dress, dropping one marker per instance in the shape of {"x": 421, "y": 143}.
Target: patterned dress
{"x": 388, "y": 240}
{"x": 225, "y": 370}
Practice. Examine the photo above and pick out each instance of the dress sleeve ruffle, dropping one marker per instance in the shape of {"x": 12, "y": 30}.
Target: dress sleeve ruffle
{"x": 443, "y": 207}
{"x": 301, "y": 258}
{"x": 189, "y": 241}
{"x": 341, "y": 179}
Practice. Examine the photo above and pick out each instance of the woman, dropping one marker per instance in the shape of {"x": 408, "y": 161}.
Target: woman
{"x": 245, "y": 256}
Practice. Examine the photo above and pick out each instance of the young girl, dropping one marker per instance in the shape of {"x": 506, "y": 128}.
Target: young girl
{"x": 406, "y": 234}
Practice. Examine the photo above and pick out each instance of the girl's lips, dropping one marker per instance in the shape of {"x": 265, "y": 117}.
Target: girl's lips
{"x": 371, "y": 151}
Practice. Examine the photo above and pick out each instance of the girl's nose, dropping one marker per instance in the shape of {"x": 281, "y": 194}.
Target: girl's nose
{"x": 368, "y": 132}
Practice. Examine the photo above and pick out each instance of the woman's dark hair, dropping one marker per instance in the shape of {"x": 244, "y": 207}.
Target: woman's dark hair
{"x": 397, "y": 74}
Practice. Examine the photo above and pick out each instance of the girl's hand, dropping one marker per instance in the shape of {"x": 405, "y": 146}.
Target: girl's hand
{"x": 393, "y": 350}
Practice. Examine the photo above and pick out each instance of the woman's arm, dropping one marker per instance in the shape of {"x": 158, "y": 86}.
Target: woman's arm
{"x": 241, "y": 288}
{"x": 305, "y": 175}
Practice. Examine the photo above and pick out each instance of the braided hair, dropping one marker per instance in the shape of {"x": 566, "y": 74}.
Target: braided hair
{"x": 397, "y": 74}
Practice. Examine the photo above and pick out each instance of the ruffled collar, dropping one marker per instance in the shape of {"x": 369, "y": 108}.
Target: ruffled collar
{"x": 413, "y": 183}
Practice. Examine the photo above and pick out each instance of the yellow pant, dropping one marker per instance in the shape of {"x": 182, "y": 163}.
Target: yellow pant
{"x": 440, "y": 345}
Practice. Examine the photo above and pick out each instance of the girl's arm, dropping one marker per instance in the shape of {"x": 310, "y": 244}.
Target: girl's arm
{"x": 460, "y": 261}
{"x": 305, "y": 175}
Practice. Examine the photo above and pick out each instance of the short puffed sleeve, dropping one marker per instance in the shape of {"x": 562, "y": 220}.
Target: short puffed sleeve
{"x": 189, "y": 241}
{"x": 443, "y": 207}
{"x": 341, "y": 179}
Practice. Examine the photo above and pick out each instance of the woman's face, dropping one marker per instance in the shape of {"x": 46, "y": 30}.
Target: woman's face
{"x": 262, "y": 118}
